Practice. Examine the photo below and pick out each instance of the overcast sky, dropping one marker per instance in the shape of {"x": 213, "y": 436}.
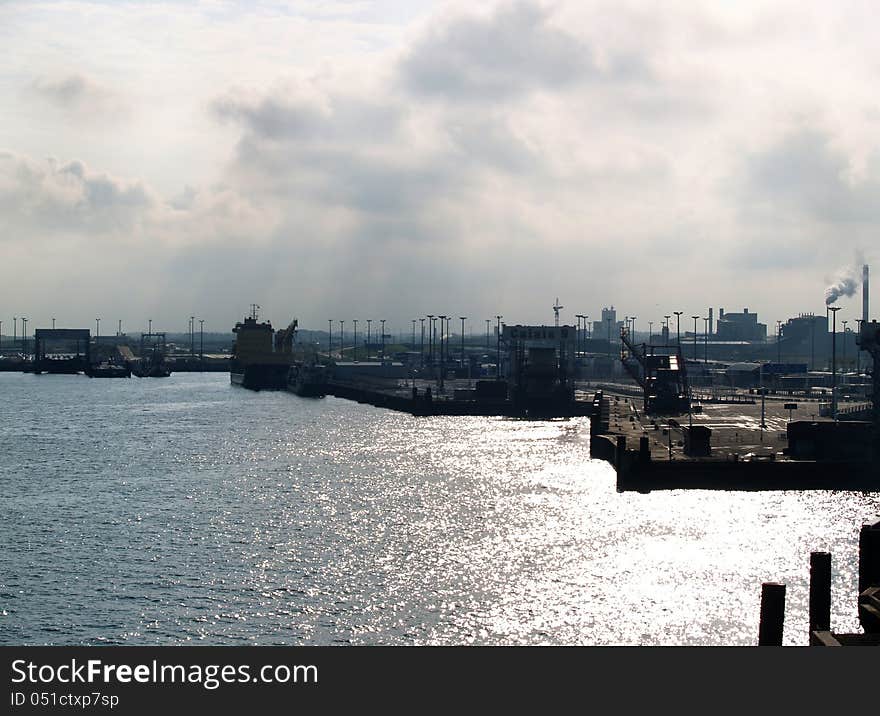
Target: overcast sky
{"x": 388, "y": 159}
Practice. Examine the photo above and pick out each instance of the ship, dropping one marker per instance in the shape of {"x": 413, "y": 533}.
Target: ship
{"x": 307, "y": 380}
{"x": 258, "y": 362}
{"x": 109, "y": 370}
{"x": 152, "y": 363}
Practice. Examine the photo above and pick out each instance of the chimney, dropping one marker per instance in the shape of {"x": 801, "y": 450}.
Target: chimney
{"x": 710, "y": 321}
{"x": 865, "y": 293}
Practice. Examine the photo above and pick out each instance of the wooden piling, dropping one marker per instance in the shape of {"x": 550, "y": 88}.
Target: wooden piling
{"x": 869, "y": 556}
{"x": 772, "y": 614}
{"x": 820, "y": 591}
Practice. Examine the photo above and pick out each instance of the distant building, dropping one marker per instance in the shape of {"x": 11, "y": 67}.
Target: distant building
{"x": 804, "y": 328}
{"x": 608, "y": 326}
{"x": 740, "y": 327}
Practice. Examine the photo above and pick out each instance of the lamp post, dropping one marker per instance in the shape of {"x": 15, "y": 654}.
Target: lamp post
{"x": 422, "y": 344}
{"x": 695, "y": 338}
{"x": 118, "y": 327}
{"x": 369, "y": 331}
{"x": 609, "y": 337}
{"x": 706, "y": 340}
{"x": 97, "y": 330}
{"x": 577, "y": 334}
{"x": 779, "y": 341}
{"x": 355, "y": 341}
{"x": 666, "y": 321}
{"x": 14, "y": 331}
{"x": 650, "y": 332}
{"x": 202, "y": 343}
{"x": 442, "y": 355}
{"x": 149, "y": 326}
{"x": 843, "y": 361}
{"x": 329, "y": 338}
{"x": 53, "y": 323}
{"x": 463, "y": 319}
{"x": 24, "y": 334}
{"x": 678, "y": 327}
{"x": 413, "y": 344}
{"x": 633, "y": 319}
{"x": 382, "y": 321}
{"x": 834, "y": 310}
{"x": 858, "y": 349}
{"x": 341, "y": 340}
{"x": 498, "y": 348}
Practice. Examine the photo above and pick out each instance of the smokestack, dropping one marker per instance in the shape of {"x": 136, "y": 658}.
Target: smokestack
{"x": 865, "y": 293}
{"x": 710, "y": 321}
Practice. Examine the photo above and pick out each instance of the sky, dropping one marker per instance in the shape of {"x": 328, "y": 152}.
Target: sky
{"x": 391, "y": 159}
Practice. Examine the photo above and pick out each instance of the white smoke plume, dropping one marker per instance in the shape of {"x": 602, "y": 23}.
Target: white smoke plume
{"x": 845, "y": 285}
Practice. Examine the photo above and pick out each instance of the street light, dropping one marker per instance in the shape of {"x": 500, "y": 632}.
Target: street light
{"x": 369, "y": 327}
{"x": 779, "y": 342}
{"x": 382, "y": 321}
{"x": 498, "y": 348}
{"x": 329, "y": 338}
{"x": 442, "y": 356}
{"x": 422, "y": 344}
{"x": 678, "y": 327}
{"x": 202, "y": 343}
{"x": 97, "y": 330}
{"x": 667, "y": 327}
{"x": 53, "y": 323}
{"x": 843, "y": 362}
{"x": 834, "y": 310}
{"x": 706, "y": 340}
{"x": 24, "y": 334}
{"x": 650, "y": 332}
{"x": 463, "y": 319}
{"x": 341, "y": 339}
{"x": 355, "y": 347}
{"x": 695, "y": 338}
{"x": 192, "y": 336}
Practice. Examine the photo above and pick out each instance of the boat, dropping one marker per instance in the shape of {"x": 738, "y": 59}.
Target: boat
{"x": 151, "y": 365}
{"x": 307, "y": 380}
{"x": 109, "y": 370}
{"x": 257, "y": 362}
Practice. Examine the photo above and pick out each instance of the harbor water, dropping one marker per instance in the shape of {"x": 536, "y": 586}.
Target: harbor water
{"x": 187, "y": 510}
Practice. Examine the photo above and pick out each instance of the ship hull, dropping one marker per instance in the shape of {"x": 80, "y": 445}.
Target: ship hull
{"x": 259, "y": 376}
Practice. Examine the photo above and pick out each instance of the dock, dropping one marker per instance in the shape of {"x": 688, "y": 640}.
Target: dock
{"x": 730, "y": 449}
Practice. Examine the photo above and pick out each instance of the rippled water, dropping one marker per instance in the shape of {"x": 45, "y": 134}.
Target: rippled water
{"x": 159, "y": 511}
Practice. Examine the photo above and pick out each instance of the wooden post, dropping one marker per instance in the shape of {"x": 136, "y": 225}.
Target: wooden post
{"x": 869, "y": 556}
{"x": 820, "y": 591}
{"x": 772, "y": 614}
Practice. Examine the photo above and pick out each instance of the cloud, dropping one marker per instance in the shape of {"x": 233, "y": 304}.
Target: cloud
{"x": 79, "y": 95}
{"x": 514, "y": 49}
{"x": 69, "y": 197}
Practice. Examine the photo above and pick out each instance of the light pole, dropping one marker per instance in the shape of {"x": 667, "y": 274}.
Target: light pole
{"x": 633, "y": 319}
{"x": 695, "y": 338}
{"x": 355, "y": 347}
{"x": 341, "y": 340}
{"x": 488, "y": 320}
{"x": 834, "y": 310}
{"x": 413, "y": 344}
{"x": 667, "y": 327}
{"x": 706, "y": 340}
{"x": 24, "y": 334}
{"x": 329, "y": 338}
{"x": 843, "y": 361}
{"x": 498, "y": 348}
{"x": 53, "y": 323}
{"x": 463, "y": 319}
{"x": 382, "y": 321}
{"x": 609, "y": 337}
{"x": 422, "y": 344}
{"x": 369, "y": 327}
{"x": 650, "y": 332}
{"x": 192, "y": 336}
{"x": 779, "y": 342}
{"x": 97, "y": 331}
{"x": 431, "y": 342}
{"x": 678, "y": 327}
{"x": 577, "y": 334}
{"x": 150, "y": 326}
{"x": 442, "y": 356}
{"x": 14, "y": 331}
{"x": 202, "y": 343}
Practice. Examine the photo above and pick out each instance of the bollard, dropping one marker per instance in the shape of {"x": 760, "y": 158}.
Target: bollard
{"x": 621, "y": 449}
{"x": 772, "y": 614}
{"x": 820, "y": 591}
{"x": 869, "y": 556}
{"x": 644, "y": 449}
